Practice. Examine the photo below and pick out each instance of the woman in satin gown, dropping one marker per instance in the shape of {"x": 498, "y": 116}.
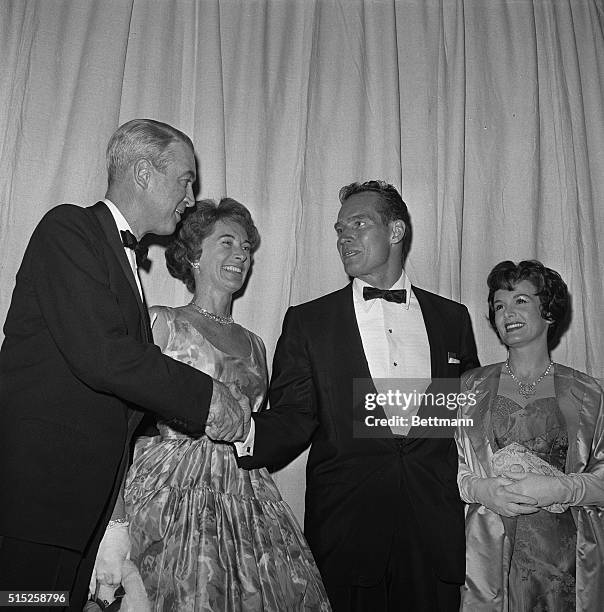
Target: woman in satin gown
{"x": 207, "y": 535}
{"x": 531, "y": 463}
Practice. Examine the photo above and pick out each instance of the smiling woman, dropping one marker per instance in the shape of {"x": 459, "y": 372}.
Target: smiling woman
{"x": 206, "y": 534}
{"x": 517, "y": 314}
{"x": 528, "y": 295}
{"x": 531, "y": 466}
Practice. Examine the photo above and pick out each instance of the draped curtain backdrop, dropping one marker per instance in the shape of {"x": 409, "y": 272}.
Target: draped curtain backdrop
{"x": 488, "y": 115}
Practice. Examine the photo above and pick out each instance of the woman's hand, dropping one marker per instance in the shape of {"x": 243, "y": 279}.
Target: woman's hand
{"x": 546, "y": 490}
{"x": 113, "y": 550}
{"x": 496, "y": 495}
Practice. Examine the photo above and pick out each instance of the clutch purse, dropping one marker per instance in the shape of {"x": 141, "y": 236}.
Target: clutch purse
{"x": 516, "y": 458}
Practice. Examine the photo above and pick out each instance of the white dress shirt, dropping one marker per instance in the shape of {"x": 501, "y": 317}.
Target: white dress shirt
{"x": 395, "y": 342}
{"x": 122, "y": 224}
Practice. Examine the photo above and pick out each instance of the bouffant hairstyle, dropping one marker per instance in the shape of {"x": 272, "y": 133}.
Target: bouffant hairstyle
{"x": 549, "y": 286}
{"x": 199, "y": 223}
{"x": 392, "y": 205}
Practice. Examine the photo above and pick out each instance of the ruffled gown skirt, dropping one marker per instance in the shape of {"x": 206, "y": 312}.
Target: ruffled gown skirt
{"x": 207, "y": 535}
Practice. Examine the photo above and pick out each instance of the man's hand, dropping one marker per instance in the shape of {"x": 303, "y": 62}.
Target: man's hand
{"x": 546, "y": 490}
{"x": 114, "y": 548}
{"x": 497, "y": 495}
{"x": 230, "y": 414}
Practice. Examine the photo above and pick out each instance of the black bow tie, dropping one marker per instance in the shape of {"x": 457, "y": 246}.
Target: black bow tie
{"x": 398, "y": 296}
{"x": 130, "y": 242}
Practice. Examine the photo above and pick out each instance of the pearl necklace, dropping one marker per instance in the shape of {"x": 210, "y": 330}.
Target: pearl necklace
{"x": 527, "y": 389}
{"x": 228, "y": 320}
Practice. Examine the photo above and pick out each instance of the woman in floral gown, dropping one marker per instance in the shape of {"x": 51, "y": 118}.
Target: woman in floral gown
{"x": 207, "y": 535}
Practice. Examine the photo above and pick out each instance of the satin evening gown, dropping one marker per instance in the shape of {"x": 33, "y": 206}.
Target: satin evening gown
{"x": 542, "y": 571}
{"x": 207, "y": 535}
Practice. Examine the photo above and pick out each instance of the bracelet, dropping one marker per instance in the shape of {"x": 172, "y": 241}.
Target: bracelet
{"x": 117, "y": 522}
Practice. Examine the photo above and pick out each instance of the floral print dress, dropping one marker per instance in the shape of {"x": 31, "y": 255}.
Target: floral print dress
{"x": 207, "y": 535}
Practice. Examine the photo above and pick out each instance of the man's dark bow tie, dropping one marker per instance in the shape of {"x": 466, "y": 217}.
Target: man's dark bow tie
{"x": 130, "y": 242}
{"x": 390, "y": 295}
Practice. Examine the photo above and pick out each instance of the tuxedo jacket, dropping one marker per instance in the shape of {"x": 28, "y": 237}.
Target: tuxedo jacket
{"x": 77, "y": 367}
{"x": 352, "y": 483}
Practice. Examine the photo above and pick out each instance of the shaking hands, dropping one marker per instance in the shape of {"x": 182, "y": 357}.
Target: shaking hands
{"x": 229, "y": 416}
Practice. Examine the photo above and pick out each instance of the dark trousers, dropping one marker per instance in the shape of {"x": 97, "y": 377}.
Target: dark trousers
{"x": 409, "y": 583}
{"x": 383, "y": 597}
{"x": 33, "y": 566}
{"x": 29, "y": 566}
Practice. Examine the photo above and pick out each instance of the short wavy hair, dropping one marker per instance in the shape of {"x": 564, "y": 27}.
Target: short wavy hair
{"x": 141, "y": 138}
{"x": 199, "y": 223}
{"x": 392, "y": 205}
{"x": 549, "y": 286}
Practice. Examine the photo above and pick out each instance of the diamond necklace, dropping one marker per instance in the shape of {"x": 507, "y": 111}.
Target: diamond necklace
{"x": 211, "y": 315}
{"x": 527, "y": 389}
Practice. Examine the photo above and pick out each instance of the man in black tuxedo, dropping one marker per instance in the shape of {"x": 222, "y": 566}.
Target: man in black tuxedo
{"x": 383, "y": 514}
{"x": 78, "y": 367}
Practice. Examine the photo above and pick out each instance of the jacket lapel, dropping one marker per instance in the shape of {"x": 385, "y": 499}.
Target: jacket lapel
{"x": 435, "y": 331}
{"x": 347, "y": 328}
{"x": 352, "y": 366}
{"x": 107, "y": 223}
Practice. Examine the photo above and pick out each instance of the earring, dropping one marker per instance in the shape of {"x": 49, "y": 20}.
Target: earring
{"x": 194, "y": 264}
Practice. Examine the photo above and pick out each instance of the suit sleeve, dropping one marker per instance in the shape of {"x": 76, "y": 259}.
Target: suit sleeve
{"x": 71, "y": 282}
{"x": 284, "y": 430}
{"x": 469, "y": 355}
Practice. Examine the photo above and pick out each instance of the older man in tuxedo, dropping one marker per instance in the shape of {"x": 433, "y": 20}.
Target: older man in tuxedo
{"x": 383, "y": 514}
{"x": 78, "y": 367}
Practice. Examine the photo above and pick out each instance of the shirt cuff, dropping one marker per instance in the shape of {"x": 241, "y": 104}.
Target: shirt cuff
{"x": 246, "y": 448}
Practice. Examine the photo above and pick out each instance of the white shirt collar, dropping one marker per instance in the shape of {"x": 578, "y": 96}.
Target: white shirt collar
{"x": 403, "y": 282}
{"x": 122, "y": 224}
{"x": 120, "y": 220}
